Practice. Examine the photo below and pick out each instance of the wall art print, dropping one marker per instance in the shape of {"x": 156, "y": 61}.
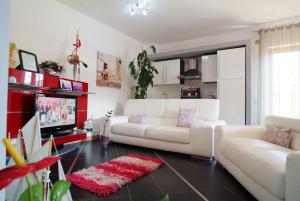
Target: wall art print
{"x": 108, "y": 70}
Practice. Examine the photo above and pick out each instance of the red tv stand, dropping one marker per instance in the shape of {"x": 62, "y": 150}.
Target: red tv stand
{"x": 21, "y": 101}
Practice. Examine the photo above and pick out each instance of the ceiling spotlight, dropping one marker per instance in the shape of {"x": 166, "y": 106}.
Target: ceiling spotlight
{"x": 145, "y": 12}
{"x": 132, "y": 12}
{"x": 139, "y": 7}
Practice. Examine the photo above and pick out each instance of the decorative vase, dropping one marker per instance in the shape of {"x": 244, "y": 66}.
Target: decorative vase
{"x": 75, "y": 72}
{"x": 104, "y": 140}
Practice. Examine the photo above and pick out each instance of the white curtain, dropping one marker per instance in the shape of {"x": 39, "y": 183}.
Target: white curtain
{"x": 280, "y": 71}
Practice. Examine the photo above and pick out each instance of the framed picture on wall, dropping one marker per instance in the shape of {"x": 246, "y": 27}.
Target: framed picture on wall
{"x": 65, "y": 84}
{"x": 28, "y": 61}
{"x": 77, "y": 86}
{"x": 109, "y": 70}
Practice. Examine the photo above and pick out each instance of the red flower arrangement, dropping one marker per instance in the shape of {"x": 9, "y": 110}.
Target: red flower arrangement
{"x": 9, "y": 174}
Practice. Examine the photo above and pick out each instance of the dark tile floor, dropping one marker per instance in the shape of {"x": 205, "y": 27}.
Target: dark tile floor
{"x": 211, "y": 180}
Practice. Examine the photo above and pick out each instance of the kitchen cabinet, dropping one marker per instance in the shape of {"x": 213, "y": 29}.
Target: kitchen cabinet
{"x": 168, "y": 72}
{"x": 209, "y": 68}
{"x": 231, "y": 85}
{"x": 172, "y": 71}
{"x": 231, "y": 94}
{"x": 231, "y": 63}
{"x": 159, "y": 78}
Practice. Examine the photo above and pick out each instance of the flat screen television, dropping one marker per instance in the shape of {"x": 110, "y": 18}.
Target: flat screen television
{"x": 57, "y": 114}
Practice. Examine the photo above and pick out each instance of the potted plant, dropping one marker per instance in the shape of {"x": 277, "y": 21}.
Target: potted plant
{"x": 35, "y": 191}
{"x": 51, "y": 68}
{"x": 142, "y": 71}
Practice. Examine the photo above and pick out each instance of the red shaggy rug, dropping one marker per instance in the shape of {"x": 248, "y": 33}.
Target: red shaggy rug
{"x": 106, "y": 178}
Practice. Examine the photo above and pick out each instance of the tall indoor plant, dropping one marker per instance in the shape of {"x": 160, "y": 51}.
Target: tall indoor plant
{"x": 142, "y": 71}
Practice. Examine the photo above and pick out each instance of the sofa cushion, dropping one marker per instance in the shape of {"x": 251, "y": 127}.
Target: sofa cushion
{"x": 160, "y": 121}
{"x": 168, "y": 134}
{"x": 208, "y": 108}
{"x": 284, "y": 122}
{"x": 267, "y": 167}
{"x": 295, "y": 144}
{"x": 136, "y": 118}
{"x": 147, "y": 107}
{"x": 279, "y": 136}
{"x": 187, "y": 116}
{"x": 129, "y": 129}
{"x": 231, "y": 147}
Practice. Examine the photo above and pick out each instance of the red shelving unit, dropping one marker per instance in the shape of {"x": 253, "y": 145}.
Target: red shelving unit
{"x": 21, "y": 100}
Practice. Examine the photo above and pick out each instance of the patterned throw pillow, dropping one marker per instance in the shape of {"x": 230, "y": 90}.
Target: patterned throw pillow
{"x": 186, "y": 116}
{"x": 138, "y": 119}
{"x": 279, "y": 136}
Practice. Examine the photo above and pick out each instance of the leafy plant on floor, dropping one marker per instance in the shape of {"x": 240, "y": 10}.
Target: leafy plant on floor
{"x": 142, "y": 71}
{"x": 34, "y": 192}
{"x": 166, "y": 198}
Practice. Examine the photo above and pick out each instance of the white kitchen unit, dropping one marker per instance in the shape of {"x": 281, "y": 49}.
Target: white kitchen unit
{"x": 231, "y": 85}
{"x": 168, "y": 70}
{"x": 232, "y": 63}
{"x": 231, "y": 94}
{"x": 209, "y": 68}
{"x": 159, "y": 78}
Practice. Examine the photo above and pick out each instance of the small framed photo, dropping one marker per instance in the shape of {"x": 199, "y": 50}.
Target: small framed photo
{"x": 28, "y": 61}
{"x": 77, "y": 86}
{"x": 65, "y": 84}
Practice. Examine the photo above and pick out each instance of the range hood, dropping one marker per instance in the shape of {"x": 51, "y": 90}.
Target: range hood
{"x": 190, "y": 70}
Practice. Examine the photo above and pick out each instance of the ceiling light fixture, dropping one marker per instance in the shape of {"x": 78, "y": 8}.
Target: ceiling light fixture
{"x": 132, "y": 12}
{"x": 139, "y": 7}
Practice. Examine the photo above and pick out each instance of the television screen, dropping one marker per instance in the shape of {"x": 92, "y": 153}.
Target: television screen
{"x": 56, "y": 111}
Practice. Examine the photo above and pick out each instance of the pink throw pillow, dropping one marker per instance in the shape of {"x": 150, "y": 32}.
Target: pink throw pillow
{"x": 187, "y": 117}
{"x": 279, "y": 136}
{"x": 138, "y": 119}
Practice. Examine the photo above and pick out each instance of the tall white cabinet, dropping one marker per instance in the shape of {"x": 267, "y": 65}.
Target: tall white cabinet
{"x": 231, "y": 85}
{"x": 168, "y": 72}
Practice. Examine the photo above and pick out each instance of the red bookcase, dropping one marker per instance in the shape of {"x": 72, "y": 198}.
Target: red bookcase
{"x": 21, "y": 100}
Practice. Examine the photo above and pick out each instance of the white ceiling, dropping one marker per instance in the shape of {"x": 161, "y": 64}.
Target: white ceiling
{"x": 175, "y": 20}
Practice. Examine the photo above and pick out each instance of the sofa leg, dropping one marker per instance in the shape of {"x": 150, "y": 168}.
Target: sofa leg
{"x": 203, "y": 158}
{"x": 220, "y": 165}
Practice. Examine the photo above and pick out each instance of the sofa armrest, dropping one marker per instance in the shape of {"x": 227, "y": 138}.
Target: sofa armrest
{"x": 98, "y": 124}
{"x": 240, "y": 131}
{"x": 118, "y": 119}
{"x": 292, "y": 183}
{"x": 222, "y": 132}
{"x": 215, "y": 123}
{"x": 115, "y": 120}
{"x": 201, "y": 138}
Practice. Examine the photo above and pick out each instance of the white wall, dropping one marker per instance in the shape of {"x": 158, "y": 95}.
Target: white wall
{"x": 4, "y": 43}
{"x": 48, "y": 29}
{"x": 205, "y": 41}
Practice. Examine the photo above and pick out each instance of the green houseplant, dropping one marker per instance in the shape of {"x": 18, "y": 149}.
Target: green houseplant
{"x": 142, "y": 71}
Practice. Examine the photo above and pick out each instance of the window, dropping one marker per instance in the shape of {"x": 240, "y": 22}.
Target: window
{"x": 280, "y": 71}
{"x": 285, "y": 84}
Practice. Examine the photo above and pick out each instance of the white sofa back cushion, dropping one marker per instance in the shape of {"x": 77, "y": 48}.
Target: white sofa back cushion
{"x": 208, "y": 108}
{"x": 284, "y": 122}
{"x": 147, "y": 107}
{"x": 169, "y": 108}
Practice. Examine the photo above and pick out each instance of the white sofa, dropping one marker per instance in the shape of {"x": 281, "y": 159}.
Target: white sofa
{"x": 268, "y": 171}
{"x": 159, "y": 129}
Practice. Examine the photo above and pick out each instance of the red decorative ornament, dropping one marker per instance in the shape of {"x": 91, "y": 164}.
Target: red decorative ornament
{"x": 74, "y": 58}
{"x": 9, "y": 174}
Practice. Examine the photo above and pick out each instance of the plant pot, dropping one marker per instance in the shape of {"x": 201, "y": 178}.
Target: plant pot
{"x": 49, "y": 71}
